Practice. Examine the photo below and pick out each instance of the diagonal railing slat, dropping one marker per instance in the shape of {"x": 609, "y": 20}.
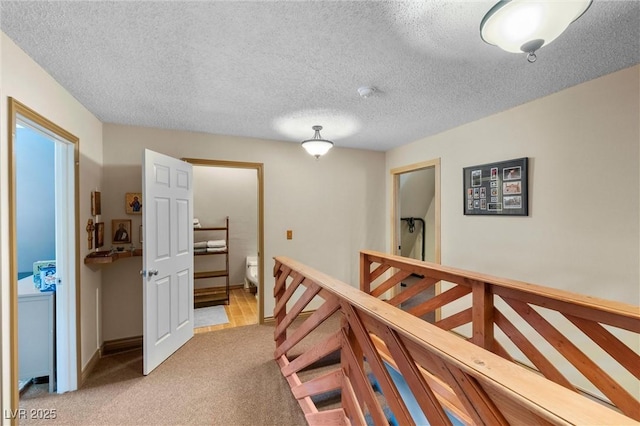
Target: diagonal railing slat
{"x": 314, "y": 354}
{"x": 425, "y": 397}
{"x": 311, "y": 291}
{"x": 315, "y": 319}
{"x": 455, "y": 320}
{"x": 448, "y": 296}
{"x": 618, "y": 396}
{"x": 350, "y": 403}
{"x": 610, "y": 343}
{"x": 385, "y": 381}
{"x": 291, "y": 288}
{"x": 443, "y": 370}
{"x": 531, "y": 352}
{"x": 419, "y": 287}
{"x": 391, "y": 282}
{"x": 589, "y": 314}
{"x": 328, "y": 382}
{"x": 362, "y": 385}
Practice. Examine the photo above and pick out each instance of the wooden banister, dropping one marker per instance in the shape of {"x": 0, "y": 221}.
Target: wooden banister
{"x": 530, "y": 305}
{"x": 443, "y": 370}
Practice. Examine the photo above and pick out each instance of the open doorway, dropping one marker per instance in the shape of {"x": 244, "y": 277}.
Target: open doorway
{"x": 228, "y": 208}
{"x": 416, "y": 220}
{"x": 44, "y": 267}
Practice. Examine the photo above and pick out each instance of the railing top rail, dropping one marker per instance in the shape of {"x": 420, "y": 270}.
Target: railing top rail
{"x": 462, "y": 276}
{"x": 538, "y": 394}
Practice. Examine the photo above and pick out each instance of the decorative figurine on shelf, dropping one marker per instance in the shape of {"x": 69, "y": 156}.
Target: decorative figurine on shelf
{"x": 90, "y": 228}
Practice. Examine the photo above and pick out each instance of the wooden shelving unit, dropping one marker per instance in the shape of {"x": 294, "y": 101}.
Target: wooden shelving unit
{"x": 205, "y": 296}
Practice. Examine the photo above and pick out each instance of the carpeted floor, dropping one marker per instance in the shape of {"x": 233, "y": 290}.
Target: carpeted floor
{"x": 226, "y": 377}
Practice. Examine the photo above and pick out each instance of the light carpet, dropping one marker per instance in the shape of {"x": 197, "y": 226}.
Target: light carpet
{"x": 211, "y": 315}
{"x": 222, "y": 378}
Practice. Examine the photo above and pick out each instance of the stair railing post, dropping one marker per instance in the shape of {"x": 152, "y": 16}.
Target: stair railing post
{"x": 482, "y": 315}
{"x": 365, "y": 273}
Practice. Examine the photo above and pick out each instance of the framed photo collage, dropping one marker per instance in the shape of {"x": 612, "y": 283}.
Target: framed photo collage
{"x": 497, "y": 189}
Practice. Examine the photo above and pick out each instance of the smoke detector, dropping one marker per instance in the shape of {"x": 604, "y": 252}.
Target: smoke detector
{"x": 366, "y": 91}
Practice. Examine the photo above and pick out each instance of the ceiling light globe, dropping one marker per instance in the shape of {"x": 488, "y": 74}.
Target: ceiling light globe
{"x": 317, "y": 146}
{"x": 521, "y": 25}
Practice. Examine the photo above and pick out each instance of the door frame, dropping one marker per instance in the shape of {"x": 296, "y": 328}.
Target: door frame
{"x": 259, "y": 168}
{"x": 395, "y": 208}
{"x": 17, "y": 108}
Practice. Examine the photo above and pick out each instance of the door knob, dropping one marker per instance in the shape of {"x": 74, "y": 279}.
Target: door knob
{"x": 149, "y": 273}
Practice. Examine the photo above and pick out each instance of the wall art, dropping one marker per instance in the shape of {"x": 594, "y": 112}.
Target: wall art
{"x": 506, "y": 182}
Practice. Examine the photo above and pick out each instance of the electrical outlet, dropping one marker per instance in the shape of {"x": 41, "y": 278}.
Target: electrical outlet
{"x": 289, "y": 234}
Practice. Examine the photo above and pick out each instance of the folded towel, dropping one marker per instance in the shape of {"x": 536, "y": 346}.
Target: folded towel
{"x": 200, "y": 244}
{"x": 216, "y": 249}
{"x": 197, "y": 225}
{"x": 196, "y": 220}
{"x": 216, "y": 243}
{"x": 200, "y": 250}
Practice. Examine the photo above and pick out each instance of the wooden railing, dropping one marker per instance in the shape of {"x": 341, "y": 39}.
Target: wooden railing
{"x": 580, "y": 330}
{"x": 448, "y": 377}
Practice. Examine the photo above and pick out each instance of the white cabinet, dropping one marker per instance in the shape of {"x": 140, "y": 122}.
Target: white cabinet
{"x": 36, "y": 334}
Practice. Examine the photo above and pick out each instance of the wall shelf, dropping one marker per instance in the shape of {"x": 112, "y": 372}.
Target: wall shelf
{"x": 95, "y": 258}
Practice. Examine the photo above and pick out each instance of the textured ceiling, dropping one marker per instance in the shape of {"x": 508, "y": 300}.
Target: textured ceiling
{"x": 272, "y": 69}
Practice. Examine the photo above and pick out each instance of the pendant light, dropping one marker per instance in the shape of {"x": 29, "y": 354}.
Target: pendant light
{"x": 317, "y": 146}
{"x": 527, "y": 25}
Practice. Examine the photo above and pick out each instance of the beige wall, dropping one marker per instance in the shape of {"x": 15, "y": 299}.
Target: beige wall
{"x": 583, "y": 230}
{"x": 335, "y": 206}
{"x": 582, "y": 233}
{"x": 22, "y": 79}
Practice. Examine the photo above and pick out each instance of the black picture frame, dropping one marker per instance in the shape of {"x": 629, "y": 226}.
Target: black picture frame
{"x": 497, "y": 189}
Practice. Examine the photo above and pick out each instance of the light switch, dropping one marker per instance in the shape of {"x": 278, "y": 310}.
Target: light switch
{"x": 289, "y": 234}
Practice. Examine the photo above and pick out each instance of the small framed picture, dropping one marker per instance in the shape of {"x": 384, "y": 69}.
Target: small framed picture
{"x": 511, "y": 173}
{"x": 476, "y": 178}
{"x": 494, "y": 173}
{"x": 121, "y": 231}
{"x": 96, "y": 203}
{"x": 99, "y": 234}
{"x": 133, "y": 203}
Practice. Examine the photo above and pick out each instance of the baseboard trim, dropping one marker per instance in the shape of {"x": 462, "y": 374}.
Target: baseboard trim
{"x": 111, "y": 347}
{"x": 91, "y": 365}
{"x": 272, "y": 320}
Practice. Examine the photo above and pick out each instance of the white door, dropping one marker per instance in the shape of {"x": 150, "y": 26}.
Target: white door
{"x": 66, "y": 343}
{"x": 168, "y": 256}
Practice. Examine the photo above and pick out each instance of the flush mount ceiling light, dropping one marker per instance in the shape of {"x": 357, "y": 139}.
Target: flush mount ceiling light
{"x": 526, "y": 25}
{"x": 317, "y": 146}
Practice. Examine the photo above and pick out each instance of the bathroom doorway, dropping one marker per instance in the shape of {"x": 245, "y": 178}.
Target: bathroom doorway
{"x": 235, "y": 190}
{"x": 44, "y": 246}
{"x": 416, "y": 219}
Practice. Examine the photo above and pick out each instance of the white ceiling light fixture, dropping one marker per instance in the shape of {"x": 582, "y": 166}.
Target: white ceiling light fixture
{"x": 527, "y": 25}
{"x": 317, "y": 146}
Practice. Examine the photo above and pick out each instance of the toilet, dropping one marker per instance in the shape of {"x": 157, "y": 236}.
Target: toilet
{"x": 251, "y": 277}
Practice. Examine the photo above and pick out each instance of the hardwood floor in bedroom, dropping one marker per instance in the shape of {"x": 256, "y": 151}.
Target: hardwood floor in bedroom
{"x": 241, "y": 310}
